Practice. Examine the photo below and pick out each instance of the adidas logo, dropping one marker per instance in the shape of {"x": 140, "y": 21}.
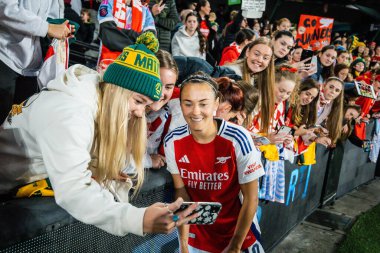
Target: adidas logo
{"x": 184, "y": 159}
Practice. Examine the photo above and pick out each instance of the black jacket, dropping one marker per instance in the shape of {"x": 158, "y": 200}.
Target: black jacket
{"x": 190, "y": 65}
{"x": 166, "y": 21}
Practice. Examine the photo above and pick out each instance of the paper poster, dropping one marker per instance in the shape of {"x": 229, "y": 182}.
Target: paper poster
{"x": 314, "y": 32}
{"x": 253, "y": 5}
{"x": 252, "y": 14}
{"x": 253, "y": 8}
{"x": 365, "y": 90}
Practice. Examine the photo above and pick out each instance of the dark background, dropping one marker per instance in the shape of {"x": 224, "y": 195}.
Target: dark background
{"x": 352, "y": 16}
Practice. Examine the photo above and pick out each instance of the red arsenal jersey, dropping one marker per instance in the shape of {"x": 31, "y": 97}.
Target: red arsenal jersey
{"x": 213, "y": 172}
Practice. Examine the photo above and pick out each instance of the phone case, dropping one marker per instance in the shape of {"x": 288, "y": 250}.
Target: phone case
{"x": 306, "y": 54}
{"x": 209, "y": 212}
{"x": 259, "y": 138}
{"x": 263, "y": 140}
{"x": 314, "y": 63}
{"x": 285, "y": 130}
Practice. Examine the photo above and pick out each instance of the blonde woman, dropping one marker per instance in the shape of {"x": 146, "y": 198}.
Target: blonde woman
{"x": 78, "y": 134}
{"x": 283, "y": 24}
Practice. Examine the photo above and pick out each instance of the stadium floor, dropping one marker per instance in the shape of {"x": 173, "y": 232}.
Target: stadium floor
{"x": 325, "y": 229}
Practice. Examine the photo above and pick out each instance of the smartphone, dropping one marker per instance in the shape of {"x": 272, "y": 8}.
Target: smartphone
{"x": 314, "y": 126}
{"x": 208, "y": 212}
{"x": 314, "y": 64}
{"x": 306, "y": 54}
{"x": 284, "y": 130}
{"x": 258, "y": 138}
{"x": 263, "y": 140}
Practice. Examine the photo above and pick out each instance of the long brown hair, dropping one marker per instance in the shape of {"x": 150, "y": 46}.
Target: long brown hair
{"x": 251, "y": 98}
{"x": 265, "y": 83}
{"x": 335, "y": 118}
{"x": 201, "y": 38}
{"x": 305, "y": 114}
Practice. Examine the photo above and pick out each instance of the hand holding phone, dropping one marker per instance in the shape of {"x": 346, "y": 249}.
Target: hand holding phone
{"x": 302, "y": 130}
{"x": 259, "y": 140}
{"x": 159, "y": 217}
{"x": 276, "y": 138}
{"x": 307, "y": 54}
{"x": 314, "y": 126}
{"x": 313, "y": 65}
{"x": 208, "y": 212}
{"x": 284, "y": 130}
{"x": 319, "y": 130}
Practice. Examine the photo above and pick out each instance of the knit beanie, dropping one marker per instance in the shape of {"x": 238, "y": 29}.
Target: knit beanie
{"x": 356, "y": 61}
{"x": 360, "y": 44}
{"x": 137, "y": 68}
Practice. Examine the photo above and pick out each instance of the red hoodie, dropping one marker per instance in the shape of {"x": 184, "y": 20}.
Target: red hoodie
{"x": 230, "y": 54}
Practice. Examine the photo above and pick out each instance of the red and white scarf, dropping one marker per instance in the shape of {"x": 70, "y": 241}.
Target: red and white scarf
{"x": 120, "y": 15}
{"x": 277, "y": 121}
{"x": 56, "y": 61}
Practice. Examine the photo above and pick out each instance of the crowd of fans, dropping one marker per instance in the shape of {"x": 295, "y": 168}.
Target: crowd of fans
{"x": 241, "y": 90}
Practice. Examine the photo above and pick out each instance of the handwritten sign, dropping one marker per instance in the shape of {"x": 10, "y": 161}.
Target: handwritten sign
{"x": 314, "y": 32}
{"x": 253, "y": 5}
{"x": 253, "y": 8}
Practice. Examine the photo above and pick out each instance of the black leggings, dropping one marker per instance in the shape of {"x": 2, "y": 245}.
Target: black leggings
{"x": 14, "y": 89}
